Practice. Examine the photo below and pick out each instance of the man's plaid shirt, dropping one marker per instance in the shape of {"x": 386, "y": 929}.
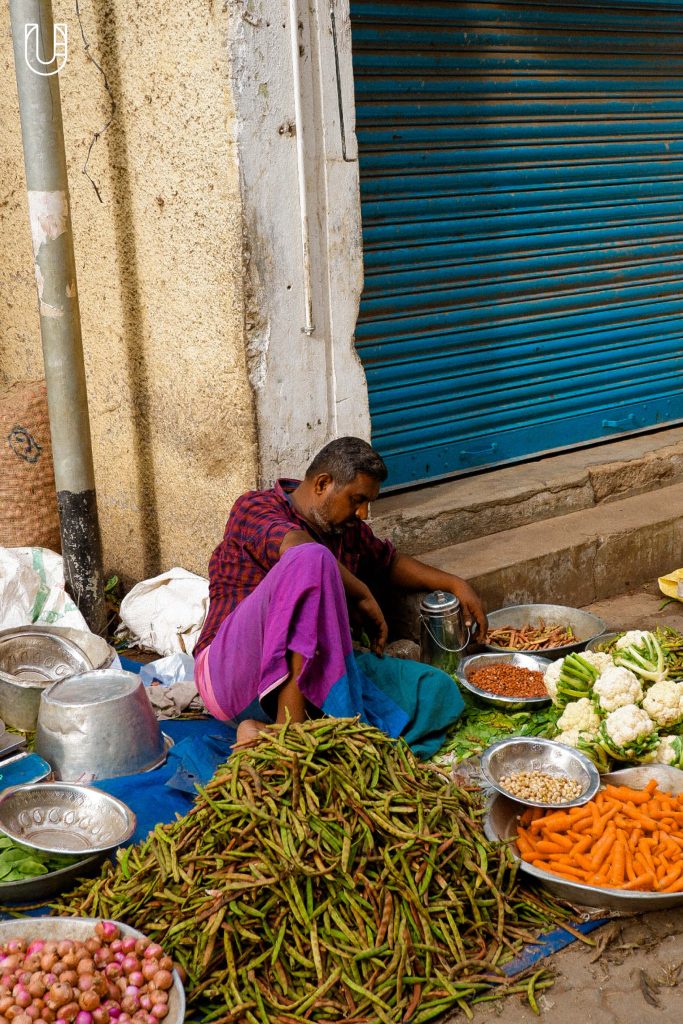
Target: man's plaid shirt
{"x": 256, "y": 527}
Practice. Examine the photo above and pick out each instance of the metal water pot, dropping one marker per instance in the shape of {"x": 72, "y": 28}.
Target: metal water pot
{"x": 443, "y": 633}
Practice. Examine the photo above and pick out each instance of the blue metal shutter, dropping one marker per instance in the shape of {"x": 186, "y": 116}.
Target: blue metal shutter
{"x": 522, "y": 200}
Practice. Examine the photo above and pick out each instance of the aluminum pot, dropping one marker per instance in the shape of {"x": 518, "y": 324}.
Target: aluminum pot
{"x": 98, "y": 725}
{"x": 34, "y": 657}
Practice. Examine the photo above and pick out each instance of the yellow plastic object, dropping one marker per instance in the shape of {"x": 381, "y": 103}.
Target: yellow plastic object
{"x": 670, "y": 584}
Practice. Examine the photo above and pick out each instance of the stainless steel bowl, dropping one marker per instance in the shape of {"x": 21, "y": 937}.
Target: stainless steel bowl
{"x": 470, "y": 665}
{"x": 98, "y": 725}
{"x": 34, "y": 657}
{"x": 598, "y": 641}
{"x": 584, "y": 625}
{"x": 532, "y": 754}
{"x": 80, "y": 929}
{"x": 57, "y": 817}
{"x": 501, "y": 823}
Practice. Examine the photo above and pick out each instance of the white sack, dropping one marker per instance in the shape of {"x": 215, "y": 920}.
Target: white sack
{"x": 166, "y": 614}
{"x": 32, "y": 590}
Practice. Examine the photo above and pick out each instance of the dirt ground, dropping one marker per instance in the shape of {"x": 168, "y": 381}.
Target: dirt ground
{"x": 631, "y": 973}
{"x": 635, "y": 969}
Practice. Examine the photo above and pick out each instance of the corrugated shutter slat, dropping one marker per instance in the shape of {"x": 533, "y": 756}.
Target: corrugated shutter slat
{"x": 521, "y": 184}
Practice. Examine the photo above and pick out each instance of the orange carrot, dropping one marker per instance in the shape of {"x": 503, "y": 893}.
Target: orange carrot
{"x": 644, "y": 881}
{"x": 559, "y": 840}
{"x": 544, "y": 846}
{"x": 603, "y": 847}
{"x": 523, "y": 843}
{"x": 624, "y": 793}
{"x": 669, "y": 878}
{"x": 643, "y": 819}
{"x": 634, "y": 838}
{"x": 604, "y": 819}
{"x": 583, "y": 844}
{"x": 618, "y": 869}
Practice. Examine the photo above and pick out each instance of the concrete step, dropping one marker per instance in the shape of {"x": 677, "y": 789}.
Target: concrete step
{"x": 574, "y": 559}
{"x": 461, "y": 510}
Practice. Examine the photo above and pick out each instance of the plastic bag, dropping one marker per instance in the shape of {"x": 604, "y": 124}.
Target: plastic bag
{"x": 175, "y": 668}
{"x": 32, "y": 590}
{"x": 165, "y": 614}
{"x": 672, "y": 584}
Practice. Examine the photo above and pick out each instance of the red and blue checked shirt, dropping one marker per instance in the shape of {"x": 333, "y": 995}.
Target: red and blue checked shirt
{"x": 256, "y": 527}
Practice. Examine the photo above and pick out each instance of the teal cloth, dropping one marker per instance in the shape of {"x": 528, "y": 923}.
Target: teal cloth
{"x": 429, "y": 698}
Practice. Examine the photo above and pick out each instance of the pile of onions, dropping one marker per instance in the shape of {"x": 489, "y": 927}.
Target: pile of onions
{"x": 107, "y": 979}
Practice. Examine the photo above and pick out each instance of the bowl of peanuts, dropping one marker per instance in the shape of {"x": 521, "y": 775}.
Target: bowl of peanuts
{"x": 539, "y": 772}
{"x": 511, "y": 681}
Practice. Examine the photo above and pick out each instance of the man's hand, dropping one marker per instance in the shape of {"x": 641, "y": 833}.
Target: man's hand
{"x": 371, "y": 616}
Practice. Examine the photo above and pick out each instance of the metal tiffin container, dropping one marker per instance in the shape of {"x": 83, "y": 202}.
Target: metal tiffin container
{"x": 34, "y": 657}
{"x": 443, "y": 633}
{"x": 98, "y": 725}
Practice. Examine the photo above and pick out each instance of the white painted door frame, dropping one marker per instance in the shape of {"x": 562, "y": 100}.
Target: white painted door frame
{"x": 292, "y": 85}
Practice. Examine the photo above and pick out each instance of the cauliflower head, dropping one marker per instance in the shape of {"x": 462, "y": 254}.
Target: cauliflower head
{"x": 664, "y": 702}
{"x": 551, "y": 678}
{"x": 598, "y": 659}
{"x": 580, "y": 715}
{"x": 633, "y": 636}
{"x": 616, "y": 687}
{"x": 669, "y": 750}
{"x": 570, "y": 737}
{"x": 628, "y": 728}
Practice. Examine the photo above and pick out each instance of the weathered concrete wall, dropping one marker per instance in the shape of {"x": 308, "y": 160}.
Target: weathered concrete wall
{"x": 159, "y": 263}
{"x": 301, "y": 192}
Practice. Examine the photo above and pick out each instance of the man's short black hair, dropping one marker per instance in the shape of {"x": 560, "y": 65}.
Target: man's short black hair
{"x": 346, "y": 457}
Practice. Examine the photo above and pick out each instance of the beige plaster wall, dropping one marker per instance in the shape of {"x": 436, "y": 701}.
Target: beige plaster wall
{"x": 159, "y": 265}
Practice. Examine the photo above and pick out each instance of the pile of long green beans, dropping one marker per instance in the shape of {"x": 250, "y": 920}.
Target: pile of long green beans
{"x": 325, "y": 875}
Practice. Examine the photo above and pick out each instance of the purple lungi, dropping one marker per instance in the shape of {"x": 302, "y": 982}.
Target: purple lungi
{"x": 299, "y": 606}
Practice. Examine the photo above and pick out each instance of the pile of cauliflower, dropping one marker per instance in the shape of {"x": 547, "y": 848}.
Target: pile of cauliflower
{"x": 619, "y": 706}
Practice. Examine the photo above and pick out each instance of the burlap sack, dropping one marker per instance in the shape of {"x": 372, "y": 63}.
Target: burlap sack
{"x": 28, "y": 499}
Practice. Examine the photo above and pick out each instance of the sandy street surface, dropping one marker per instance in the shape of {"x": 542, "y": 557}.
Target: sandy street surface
{"x": 635, "y": 969}
{"x": 632, "y": 973}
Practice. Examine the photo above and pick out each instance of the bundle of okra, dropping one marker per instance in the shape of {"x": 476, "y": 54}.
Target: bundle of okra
{"x": 324, "y": 875}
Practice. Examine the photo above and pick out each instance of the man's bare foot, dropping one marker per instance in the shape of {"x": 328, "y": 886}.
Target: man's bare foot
{"x": 248, "y": 731}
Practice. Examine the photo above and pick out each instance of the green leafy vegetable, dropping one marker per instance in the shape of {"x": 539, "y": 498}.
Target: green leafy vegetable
{"x": 477, "y": 728}
{"x": 18, "y": 862}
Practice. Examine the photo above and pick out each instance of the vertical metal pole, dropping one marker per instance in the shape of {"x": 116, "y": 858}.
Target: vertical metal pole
{"x": 37, "y": 59}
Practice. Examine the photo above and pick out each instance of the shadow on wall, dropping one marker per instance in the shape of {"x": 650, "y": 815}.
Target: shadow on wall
{"x": 108, "y": 29}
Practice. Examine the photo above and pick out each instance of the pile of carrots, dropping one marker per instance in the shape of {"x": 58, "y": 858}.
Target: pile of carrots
{"x": 629, "y": 839}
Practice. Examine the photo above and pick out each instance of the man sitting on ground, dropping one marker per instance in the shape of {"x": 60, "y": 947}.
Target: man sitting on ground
{"x": 294, "y": 560}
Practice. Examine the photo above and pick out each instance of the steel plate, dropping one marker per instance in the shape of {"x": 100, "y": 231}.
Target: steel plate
{"x": 40, "y": 887}
{"x": 532, "y": 753}
{"x": 469, "y": 665}
{"x": 500, "y": 823}
{"x": 82, "y": 928}
{"x": 585, "y": 625}
{"x": 59, "y": 817}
